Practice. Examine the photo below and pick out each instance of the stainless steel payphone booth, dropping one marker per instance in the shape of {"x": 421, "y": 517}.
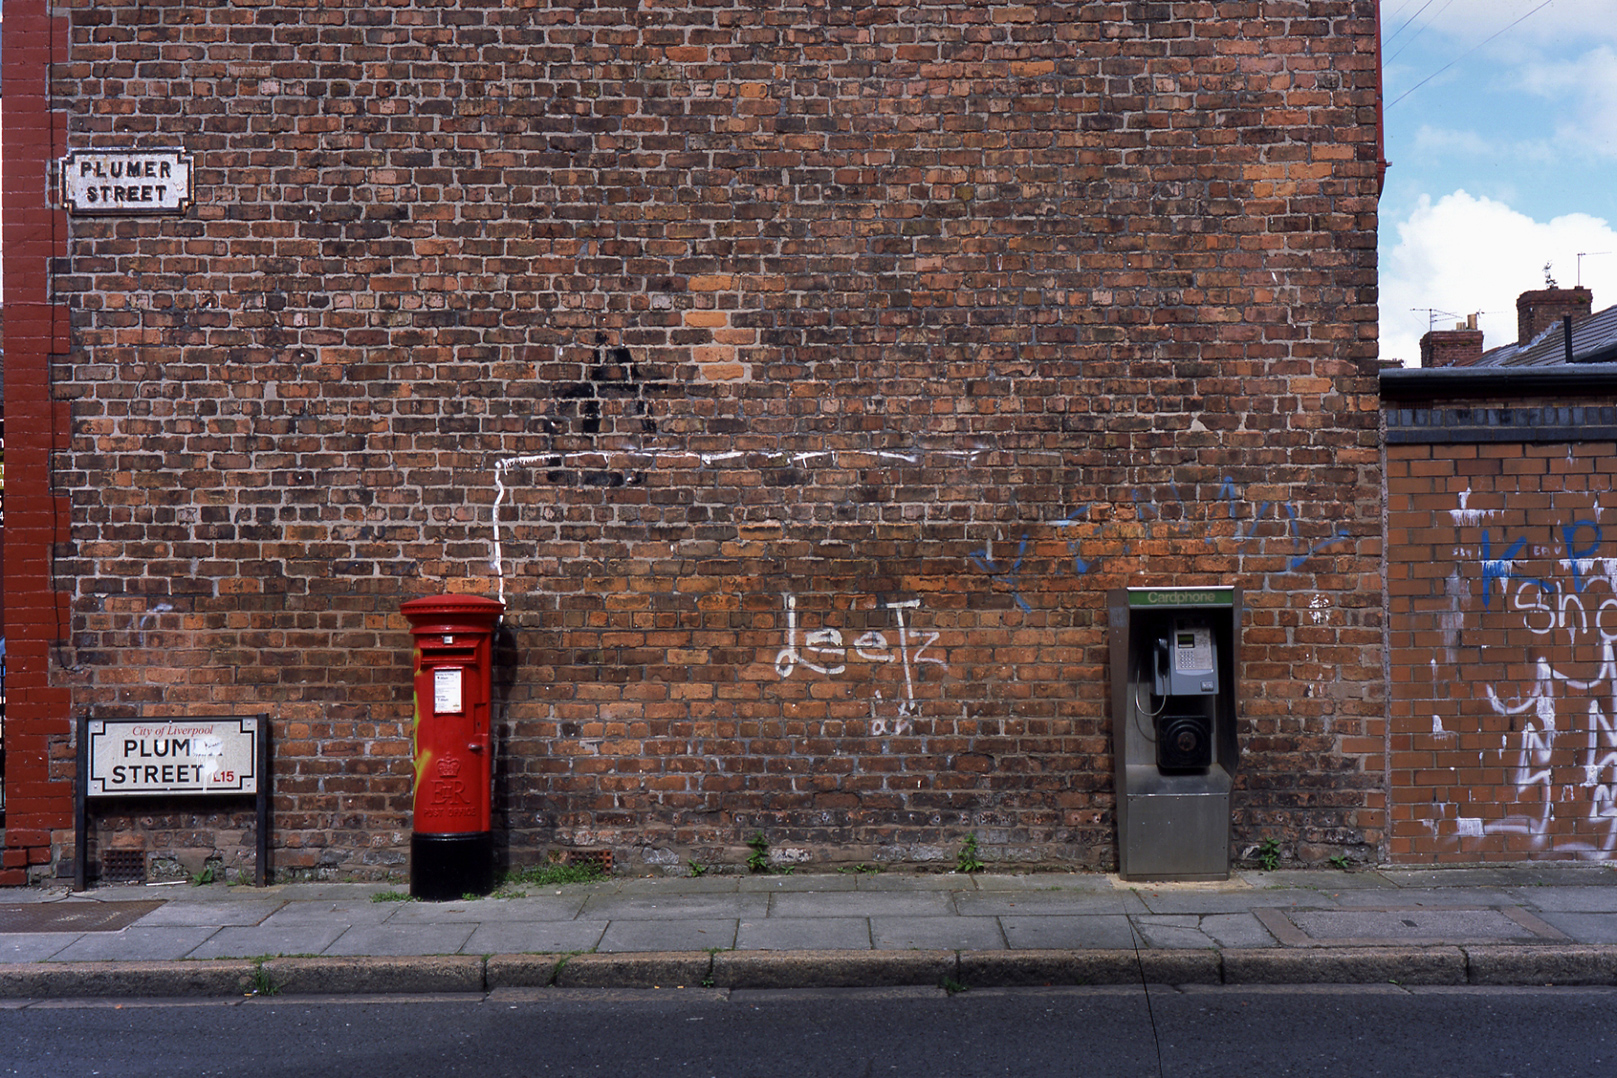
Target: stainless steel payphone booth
{"x": 1175, "y": 654}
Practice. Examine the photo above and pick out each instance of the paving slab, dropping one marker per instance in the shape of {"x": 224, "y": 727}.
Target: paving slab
{"x": 676, "y": 907}
{"x": 1568, "y": 899}
{"x": 1237, "y": 930}
{"x": 400, "y": 940}
{"x": 902, "y": 881}
{"x": 1091, "y": 882}
{"x": 251, "y": 941}
{"x": 192, "y": 912}
{"x": 489, "y": 910}
{"x": 863, "y": 904}
{"x": 136, "y": 944}
{"x": 518, "y": 937}
{"x": 1182, "y": 901}
{"x": 1426, "y": 896}
{"x": 1419, "y": 878}
{"x": 677, "y": 885}
{"x": 804, "y": 934}
{"x": 936, "y": 933}
{"x": 1584, "y": 927}
{"x": 1423, "y": 925}
{"x": 776, "y": 884}
{"x": 1045, "y": 903}
{"x": 1316, "y": 879}
{"x": 682, "y": 934}
{"x": 1028, "y": 932}
{"x": 333, "y": 912}
{"x": 1182, "y": 931}
{"x": 33, "y": 946}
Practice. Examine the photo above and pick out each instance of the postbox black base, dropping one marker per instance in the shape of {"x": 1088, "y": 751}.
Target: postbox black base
{"x": 446, "y": 867}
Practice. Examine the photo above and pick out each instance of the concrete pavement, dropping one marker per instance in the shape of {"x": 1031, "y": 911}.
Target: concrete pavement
{"x": 1525, "y": 924}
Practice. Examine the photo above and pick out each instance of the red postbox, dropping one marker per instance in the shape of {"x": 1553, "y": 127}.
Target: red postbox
{"x": 452, "y": 839}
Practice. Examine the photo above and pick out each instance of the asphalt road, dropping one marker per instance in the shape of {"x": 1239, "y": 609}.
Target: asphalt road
{"x": 1350, "y": 1031}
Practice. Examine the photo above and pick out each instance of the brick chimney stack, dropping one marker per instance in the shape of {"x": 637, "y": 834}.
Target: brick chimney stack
{"x": 1536, "y": 311}
{"x": 1457, "y": 347}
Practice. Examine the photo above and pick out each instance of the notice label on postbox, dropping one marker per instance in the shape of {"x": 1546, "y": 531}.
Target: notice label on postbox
{"x": 446, "y": 690}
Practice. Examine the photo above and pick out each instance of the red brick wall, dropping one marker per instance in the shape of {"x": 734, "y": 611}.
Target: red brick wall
{"x": 39, "y": 802}
{"x": 802, "y": 376}
{"x": 1502, "y": 614}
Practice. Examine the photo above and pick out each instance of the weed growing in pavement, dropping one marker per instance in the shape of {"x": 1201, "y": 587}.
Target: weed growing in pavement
{"x": 392, "y": 896}
{"x": 203, "y": 878}
{"x": 954, "y": 987}
{"x": 697, "y": 868}
{"x": 862, "y": 869}
{"x": 263, "y": 983}
{"x": 1340, "y": 861}
{"x": 758, "y": 859}
{"x": 548, "y": 876}
{"x": 968, "y": 861}
{"x": 1269, "y": 854}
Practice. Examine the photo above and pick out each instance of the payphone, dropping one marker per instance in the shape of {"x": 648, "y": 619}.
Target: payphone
{"x": 1174, "y": 663}
{"x": 1184, "y": 659}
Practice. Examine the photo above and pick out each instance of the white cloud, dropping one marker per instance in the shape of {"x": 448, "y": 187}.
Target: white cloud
{"x": 1463, "y": 254}
{"x": 1587, "y": 86}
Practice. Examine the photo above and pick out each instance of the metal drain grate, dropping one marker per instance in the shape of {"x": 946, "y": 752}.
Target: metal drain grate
{"x": 73, "y": 916}
{"x": 123, "y": 866}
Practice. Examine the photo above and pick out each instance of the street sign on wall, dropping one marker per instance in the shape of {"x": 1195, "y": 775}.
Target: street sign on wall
{"x": 126, "y": 181}
{"x": 173, "y": 756}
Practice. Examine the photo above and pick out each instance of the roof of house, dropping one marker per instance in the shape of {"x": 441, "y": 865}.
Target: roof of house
{"x": 1594, "y": 340}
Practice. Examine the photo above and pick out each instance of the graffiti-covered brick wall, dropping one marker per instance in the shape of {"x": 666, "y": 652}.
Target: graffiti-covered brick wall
{"x": 799, "y": 375}
{"x": 1502, "y": 615}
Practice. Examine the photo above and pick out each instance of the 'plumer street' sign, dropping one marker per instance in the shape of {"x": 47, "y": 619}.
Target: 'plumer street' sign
{"x": 173, "y": 756}
{"x": 126, "y": 181}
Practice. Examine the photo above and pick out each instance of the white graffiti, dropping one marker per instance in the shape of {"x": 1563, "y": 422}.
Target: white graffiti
{"x": 1533, "y": 771}
{"x": 825, "y": 652}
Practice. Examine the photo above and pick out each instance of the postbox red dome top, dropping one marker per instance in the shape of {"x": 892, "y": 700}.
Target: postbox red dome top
{"x": 452, "y": 613}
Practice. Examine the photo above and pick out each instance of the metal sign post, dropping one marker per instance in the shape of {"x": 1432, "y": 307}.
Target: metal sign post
{"x": 172, "y": 757}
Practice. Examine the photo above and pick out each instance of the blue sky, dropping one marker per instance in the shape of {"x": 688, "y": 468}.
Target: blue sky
{"x": 1504, "y": 157}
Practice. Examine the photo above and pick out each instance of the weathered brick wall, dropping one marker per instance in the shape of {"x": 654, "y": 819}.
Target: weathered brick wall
{"x": 800, "y": 375}
{"x": 1501, "y": 616}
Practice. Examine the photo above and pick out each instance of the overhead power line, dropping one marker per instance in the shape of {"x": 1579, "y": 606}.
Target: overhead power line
{"x": 1468, "y": 52}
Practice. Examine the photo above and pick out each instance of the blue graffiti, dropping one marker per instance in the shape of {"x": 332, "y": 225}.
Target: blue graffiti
{"x": 984, "y": 561}
{"x": 1080, "y": 564}
{"x": 1580, "y": 556}
{"x": 1499, "y": 568}
{"x": 1147, "y": 512}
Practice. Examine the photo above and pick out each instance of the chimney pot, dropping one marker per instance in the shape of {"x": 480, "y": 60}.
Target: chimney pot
{"x": 1536, "y": 311}
{"x": 1457, "y": 347}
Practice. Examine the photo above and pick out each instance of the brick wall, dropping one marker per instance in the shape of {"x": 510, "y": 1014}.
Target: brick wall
{"x": 801, "y": 376}
{"x": 39, "y": 805}
{"x": 1501, "y": 616}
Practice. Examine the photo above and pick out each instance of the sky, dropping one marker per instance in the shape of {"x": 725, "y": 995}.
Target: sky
{"x": 1504, "y": 157}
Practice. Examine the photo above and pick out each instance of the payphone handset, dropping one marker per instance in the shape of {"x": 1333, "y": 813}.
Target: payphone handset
{"x": 1186, "y": 661}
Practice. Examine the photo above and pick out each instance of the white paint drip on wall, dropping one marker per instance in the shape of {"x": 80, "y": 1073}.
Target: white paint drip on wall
{"x": 636, "y": 459}
{"x": 1464, "y": 516}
